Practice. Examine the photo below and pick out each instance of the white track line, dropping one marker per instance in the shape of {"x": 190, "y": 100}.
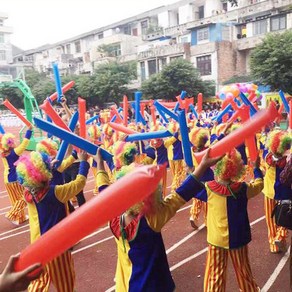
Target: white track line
{"x": 276, "y": 272}
{"x": 13, "y": 230}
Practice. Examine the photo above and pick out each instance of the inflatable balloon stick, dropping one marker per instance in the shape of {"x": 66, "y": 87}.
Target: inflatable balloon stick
{"x": 218, "y": 118}
{"x": 138, "y": 96}
{"x": 16, "y": 112}
{"x": 183, "y": 94}
{"x": 65, "y": 88}
{"x": 134, "y": 187}
{"x": 162, "y": 108}
{"x": 194, "y": 111}
{"x": 116, "y": 113}
{"x": 121, "y": 128}
{"x": 284, "y": 101}
{"x": 82, "y": 112}
{"x": 148, "y": 136}
{"x": 125, "y": 110}
{"x": 89, "y": 121}
{"x": 72, "y": 138}
{"x": 247, "y": 102}
{"x": 49, "y": 110}
{"x": 236, "y": 137}
{"x": 290, "y": 115}
{"x": 186, "y": 145}
{"x": 200, "y": 103}
{"x": 2, "y": 131}
{"x": 153, "y": 115}
{"x": 64, "y": 145}
{"x": 58, "y": 81}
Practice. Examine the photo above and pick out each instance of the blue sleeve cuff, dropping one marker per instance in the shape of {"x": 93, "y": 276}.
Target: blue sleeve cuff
{"x": 176, "y": 135}
{"x": 83, "y": 168}
{"x": 101, "y": 188}
{"x": 257, "y": 173}
{"x": 189, "y": 188}
{"x": 220, "y": 137}
{"x": 28, "y": 134}
{"x": 74, "y": 154}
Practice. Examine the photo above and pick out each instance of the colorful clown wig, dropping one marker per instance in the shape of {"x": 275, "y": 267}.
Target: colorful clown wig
{"x": 94, "y": 132}
{"x": 278, "y": 142}
{"x": 199, "y": 138}
{"x": 173, "y": 127}
{"x": 7, "y": 142}
{"x": 107, "y": 130}
{"x": 48, "y": 146}
{"x": 124, "y": 153}
{"x": 230, "y": 167}
{"x": 148, "y": 204}
{"x": 34, "y": 169}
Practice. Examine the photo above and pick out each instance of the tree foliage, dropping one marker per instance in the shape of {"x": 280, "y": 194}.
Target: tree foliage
{"x": 271, "y": 61}
{"x": 177, "y": 76}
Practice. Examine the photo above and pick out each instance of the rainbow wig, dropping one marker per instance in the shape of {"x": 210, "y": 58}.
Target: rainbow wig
{"x": 199, "y": 137}
{"x": 148, "y": 204}
{"x": 173, "y": 127}
{"x": 230, "y": 167}
{"x": 278, "y": 142}
{"x": 48, "y": 146}
{"x": 124, "y": 153}
{"x": 107, "y": 130}
{"x": 34, "y": 169}
{"x": 7, "y": 142}
{"x": 94, "y": 132}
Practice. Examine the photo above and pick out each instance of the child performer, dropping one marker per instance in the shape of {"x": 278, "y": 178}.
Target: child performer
{"x": 228, "y": 228}
{"x": 34, "y": 173}
{"x": 142, "y": 262}
{"x": 10, "y": 154}
{"x": 275, "y": 160}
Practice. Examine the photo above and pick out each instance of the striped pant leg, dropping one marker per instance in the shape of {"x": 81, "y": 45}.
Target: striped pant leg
{"x": 18, "y": 204}
{"x": 205, "y": 208}
{"x": 179, "y": 173}
{"x": 241, "y": 264}
{"x": 282, "y": 234}
{"x": 62, "y": 272}
{"x": 196, "y": 209}
{"x": 164, "y": 183}
{"x": 172, "y": 170}
{"x": 42, "y": 283}
{"x": 216, "y": 269}
{"x": 271, "y": 225}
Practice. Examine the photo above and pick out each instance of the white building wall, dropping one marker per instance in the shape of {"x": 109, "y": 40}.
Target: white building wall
{"x": 185, "y": 14}
{"x": 172, "y": 18}
{"x": 163, "y": 19}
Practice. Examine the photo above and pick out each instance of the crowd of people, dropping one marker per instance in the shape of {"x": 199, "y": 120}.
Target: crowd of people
{"x": 220, "y": 186}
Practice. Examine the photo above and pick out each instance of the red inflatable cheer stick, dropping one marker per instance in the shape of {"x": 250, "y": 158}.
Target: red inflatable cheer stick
{"x": 248, "y": 129}
{"x": 17, "y": 113}
{"x": 116, "y": 113}
{"x": 121, "y": 128}
{"x": 82, "y": 119}
{"x": 125, "y": 110}
{"x": 48, "y": 109}
{"x": 290, "y": 114}
{"x": 65, "y": 88}
{"x": 111, "y": 202}
{"x": 200, "y": 103}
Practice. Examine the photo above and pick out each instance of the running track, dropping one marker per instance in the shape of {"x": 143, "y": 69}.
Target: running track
{"x": 95, "y": 255}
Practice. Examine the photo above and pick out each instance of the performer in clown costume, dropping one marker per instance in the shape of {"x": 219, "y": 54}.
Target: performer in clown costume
{"x": 49, "y": 205}
{"x": 142, "y": 262}
{"x": 275, "y": 154}
{"x": 10, "y": 154}
{"x": 228, "y": 228}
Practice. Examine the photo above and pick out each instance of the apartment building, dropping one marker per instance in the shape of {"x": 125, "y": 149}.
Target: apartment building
{"x": 216, "y": 36}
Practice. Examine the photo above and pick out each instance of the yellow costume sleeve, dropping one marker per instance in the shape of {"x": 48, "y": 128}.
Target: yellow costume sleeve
{"x": 21, "y": 147}
{"x": 66, "y": 163}
{"x": 168, "y": 142}
{"x": 164, "y": 211}
{"x": 102, "y": 179}
{"x": 254, "y": 188}
{"x": 67, "y": 191}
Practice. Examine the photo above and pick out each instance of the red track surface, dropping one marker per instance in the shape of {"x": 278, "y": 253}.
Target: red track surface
{"x": 95, "y": 255}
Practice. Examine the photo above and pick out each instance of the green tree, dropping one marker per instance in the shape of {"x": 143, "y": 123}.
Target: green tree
{"x": 271, "y": 61}
{"x": 177, "y": 76}
{"x": 109, "y": 82}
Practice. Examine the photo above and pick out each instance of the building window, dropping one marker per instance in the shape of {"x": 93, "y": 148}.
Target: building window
{"x": 201, "y": 12}
{"x": 260, "y": 27}
{"x": 278, "y": 22}
{"x": 1, "y": 38}
{"x": 144, "y": 26}
{"x": 2, "y": 55}
{"x": 1, "y": 22}
{"x": 175, "y": 58}
{"x": 77, "y": 47}
{"x": 116, "y": 50}
{"x": 204, "y": 65}
{"x": 142, "y": 71}
{"x": 152, "y": 67}
{"x": 68, "y": 49}
{"x": 203, "y": 34}
{"x": 127, "y": 29}
{"x": 184, "y": 39}
{"x": 100, "y": 36}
